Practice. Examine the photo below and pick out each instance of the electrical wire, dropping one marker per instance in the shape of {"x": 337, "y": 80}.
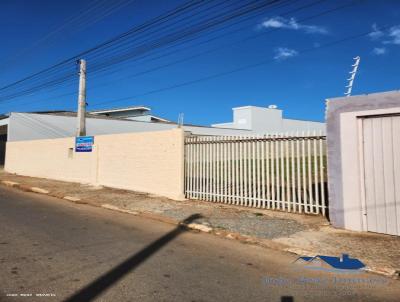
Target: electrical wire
{"x": 224, "y": 46}
{"x": 81, "y": 20}
{"x": 165, "y": 40}
{"x": 170, "y": 13}
{"x": 239, "y": 69}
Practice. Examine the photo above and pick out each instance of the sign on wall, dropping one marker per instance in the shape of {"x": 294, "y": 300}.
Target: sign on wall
{"x": 84, "y": 143}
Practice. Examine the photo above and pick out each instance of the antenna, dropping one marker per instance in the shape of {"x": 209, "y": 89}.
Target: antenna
{"x": 352, "y": 76}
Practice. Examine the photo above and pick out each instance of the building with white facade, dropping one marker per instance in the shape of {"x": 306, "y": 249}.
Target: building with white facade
{"x": 263, "y": 120}
{"x": 247, "y": 120}
{"x": 19, "y": 126}
{"x": 33, "y": 126}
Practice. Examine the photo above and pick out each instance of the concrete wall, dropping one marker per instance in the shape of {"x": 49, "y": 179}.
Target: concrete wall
{"x": 150, "y": 162}
{"x": 344, "y": 158}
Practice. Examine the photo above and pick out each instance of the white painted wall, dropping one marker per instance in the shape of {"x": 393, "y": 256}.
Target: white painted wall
{"x": 132, "y": 161}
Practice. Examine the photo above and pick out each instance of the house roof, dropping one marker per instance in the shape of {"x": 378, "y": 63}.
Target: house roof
{"x": 104, "y": 117}
{"x": 158, "y": 119}
{"x": 50, "y": 111}
{"x": 122, "y": 109}
{"x": 92, "y": 114}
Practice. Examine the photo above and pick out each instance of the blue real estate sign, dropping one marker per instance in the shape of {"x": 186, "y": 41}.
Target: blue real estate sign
{"x": 84, "y": 143}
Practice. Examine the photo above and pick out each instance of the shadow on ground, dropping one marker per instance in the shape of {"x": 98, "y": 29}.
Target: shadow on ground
{"x": 102, "y": 283}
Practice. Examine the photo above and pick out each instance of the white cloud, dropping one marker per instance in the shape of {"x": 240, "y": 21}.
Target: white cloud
{"x": 376, "y": 33}
{"x": 274, "y": 23}
{"x": 379, "y": 51}
{"x": 390, "y": 36}
{"x": 279, "y": 22}
{"x": 282, "y": 53}
{"x": 394, "y": 33}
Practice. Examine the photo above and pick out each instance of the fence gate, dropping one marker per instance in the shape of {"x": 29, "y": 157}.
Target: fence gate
{"x": 279, "y": 172}
{"x": 381, "y": 147}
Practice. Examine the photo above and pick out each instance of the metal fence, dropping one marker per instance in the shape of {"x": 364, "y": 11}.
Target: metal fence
{"x": 282, "y": 172}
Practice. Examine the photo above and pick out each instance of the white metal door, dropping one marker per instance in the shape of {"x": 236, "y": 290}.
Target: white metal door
{"x": 381, "y": 147}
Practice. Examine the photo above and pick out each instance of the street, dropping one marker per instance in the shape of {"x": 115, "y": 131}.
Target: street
{"x": 53, "y": 250}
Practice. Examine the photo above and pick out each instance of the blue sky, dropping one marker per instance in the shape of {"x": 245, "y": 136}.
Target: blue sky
{"x": 37, "y": 34}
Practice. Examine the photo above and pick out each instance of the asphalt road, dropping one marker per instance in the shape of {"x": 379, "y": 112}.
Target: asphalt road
{"x": 69, "y": 252}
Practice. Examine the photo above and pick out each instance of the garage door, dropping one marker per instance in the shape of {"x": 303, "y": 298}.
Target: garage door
{"x": 381, "y": 146}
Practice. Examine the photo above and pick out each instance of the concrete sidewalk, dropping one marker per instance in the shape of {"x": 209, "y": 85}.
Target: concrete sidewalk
{"x": 300, "y": 234}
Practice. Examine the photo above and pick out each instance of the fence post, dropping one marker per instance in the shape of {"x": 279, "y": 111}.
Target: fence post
{"x": 180, "y": 140}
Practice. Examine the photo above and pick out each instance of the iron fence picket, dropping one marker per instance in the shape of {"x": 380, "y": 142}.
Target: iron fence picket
{"x": 281, "y": 171}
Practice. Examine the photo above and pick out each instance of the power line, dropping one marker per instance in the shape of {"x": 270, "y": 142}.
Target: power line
{"x": 173, "y": 46}
{"x": 83, "y": 19}
{"x": 131, "y": 31}
{"x": 239, "y": 69}
{"x": 224, "y": 46}
{"x": 33, "y": 76}
{"x": 193, "y": 30}
{"x": 146, "y": 55}
{"x": 243, "y": 40}
{"x": 178, "y": 23}
{"x": 50, "y": 70}
{"x": 172, "y": 38}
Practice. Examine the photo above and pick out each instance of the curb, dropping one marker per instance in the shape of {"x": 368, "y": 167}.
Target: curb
{"x": 39, "y": 190}
{"x": 199, "y": 227}
{"x": 74, "y": 199}
{"x": 114, "y": 208}
{"x": 193, "y": 226}
{"x": 387, "y": 272}
{"x": 10, "y": 183}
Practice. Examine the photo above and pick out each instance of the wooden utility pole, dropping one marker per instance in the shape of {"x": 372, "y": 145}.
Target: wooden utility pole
{"x": 81, "y": 130}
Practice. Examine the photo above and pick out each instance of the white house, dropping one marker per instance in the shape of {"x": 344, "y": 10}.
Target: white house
{"x": 32, "y": 126}
{"x": 247, "y": 120}
{"x": 262, "y": 120}
{"x": 56, "y": 124}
